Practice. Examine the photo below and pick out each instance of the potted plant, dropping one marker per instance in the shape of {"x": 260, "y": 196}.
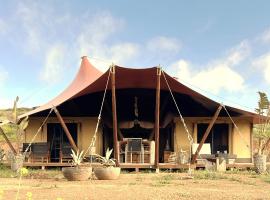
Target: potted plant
{"x": 77, "y": 172}
{"x": 262, "y": 133}
{"x": 108, "y": 171}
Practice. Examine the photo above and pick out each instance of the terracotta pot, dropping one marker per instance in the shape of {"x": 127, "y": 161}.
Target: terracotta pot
{"x": 260, "y": 163}
{"x": 77, "y": 173}
{"x": 107, "y": 173}
{"x": 17, "y": 162}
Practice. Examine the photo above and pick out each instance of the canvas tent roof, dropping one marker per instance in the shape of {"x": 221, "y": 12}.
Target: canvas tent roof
{"x": 90, "y": 80}
{"x": 86, "y": 75}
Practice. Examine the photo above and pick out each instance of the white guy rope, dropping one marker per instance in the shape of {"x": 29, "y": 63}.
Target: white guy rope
{"x": 236, "y": 127}
{"x": 183, "y": 122}
{"x": 39, "y": 129}
{"x": 92, "y": 144}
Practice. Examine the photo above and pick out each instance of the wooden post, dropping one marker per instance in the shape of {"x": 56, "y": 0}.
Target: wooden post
{"x": 194, "y": 158}
{"x": 157, "y": 117}
{"x": 70, "y": 139}
{"x": 114, "y": 116}
{"x": 251, "y": 142}
{"x": 8, "y": 142}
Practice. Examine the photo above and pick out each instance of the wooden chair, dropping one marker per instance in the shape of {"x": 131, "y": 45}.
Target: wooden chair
{"x": 134, "y": 147}
{"x": 40, "y": 152}
{"x": 65, "y": 153}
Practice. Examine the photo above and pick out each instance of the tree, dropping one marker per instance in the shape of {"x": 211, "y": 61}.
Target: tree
{"x": 262, "y": 129}
{"x": 18, "y": 127}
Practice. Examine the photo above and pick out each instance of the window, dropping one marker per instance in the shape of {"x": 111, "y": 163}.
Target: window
{"x": 218, "y": 137}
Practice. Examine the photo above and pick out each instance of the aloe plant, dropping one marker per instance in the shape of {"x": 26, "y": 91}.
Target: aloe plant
{"x": 77, "y": 157}
{"x": 106, "y": 161}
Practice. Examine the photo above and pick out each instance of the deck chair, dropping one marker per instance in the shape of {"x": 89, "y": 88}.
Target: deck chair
{"x": 134, "y": 147}
{"x": 65, "y": 153}
{"x": 40, "y": 152}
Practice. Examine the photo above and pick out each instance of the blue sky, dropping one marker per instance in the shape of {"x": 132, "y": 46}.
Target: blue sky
{"x": 219, "y": 48}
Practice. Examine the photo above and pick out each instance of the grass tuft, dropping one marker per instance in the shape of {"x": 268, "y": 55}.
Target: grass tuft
{"x": 209, "y": 175}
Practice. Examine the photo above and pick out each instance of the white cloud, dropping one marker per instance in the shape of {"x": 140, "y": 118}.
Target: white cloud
{"x": 103, "y": 25}
{"x": 94, "y": 35}
{"x": 265, "y": 37}
{"x": 31, "y": 19}
{"x": 163, "y": 44}
{"x": 54, "y": 64}
{"x": 262, "y": 63}
{"x": 217, "y": 74}
{"x": 238, "y": 53}
{"x": 124, "y": 51}
{"x": 213, "y": 78}
{"x": 37, "y": 25}
{"x": 34, "y": 26}
{"x": 94, "y": 40}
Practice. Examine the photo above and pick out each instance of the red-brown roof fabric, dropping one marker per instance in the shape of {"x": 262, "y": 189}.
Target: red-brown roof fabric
{"x": 90, "y": 80}
{"x": 127, "y": 78}
{"x": 130, "y": 78}
{"x": 86, "y": 75}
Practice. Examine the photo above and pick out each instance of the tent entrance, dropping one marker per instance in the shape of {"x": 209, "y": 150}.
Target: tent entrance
{"x": 137, "y": 132}
{"x": 57, "y": 137}
{"x": 218, "y": 137}
{"x": 134, "y": 132}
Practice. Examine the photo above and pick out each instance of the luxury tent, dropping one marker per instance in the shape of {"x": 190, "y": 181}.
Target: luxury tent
{"x": 149, "y": 118}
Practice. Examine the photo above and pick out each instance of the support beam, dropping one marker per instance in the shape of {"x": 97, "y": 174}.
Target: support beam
{"x": 114, "y": 116}
{"x": 70, "y": 139}
{"x": 8, "y": 142}
{"x": 195, "y": 156}
{"x": 157, "y": 117}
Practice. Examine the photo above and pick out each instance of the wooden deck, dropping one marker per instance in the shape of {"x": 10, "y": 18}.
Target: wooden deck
{"x": 137, "y": 165}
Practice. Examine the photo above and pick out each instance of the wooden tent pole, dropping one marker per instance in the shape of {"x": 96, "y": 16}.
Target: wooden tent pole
{"x": 157, "y": 117}
{"x": 195, "y": 156}
{"x": 69, "y": 136}
{"x": 114, "y": 116}
{"x": 8, "y": 142}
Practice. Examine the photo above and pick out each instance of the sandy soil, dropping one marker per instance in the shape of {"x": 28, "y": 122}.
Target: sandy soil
{"x": 140, "y": 186}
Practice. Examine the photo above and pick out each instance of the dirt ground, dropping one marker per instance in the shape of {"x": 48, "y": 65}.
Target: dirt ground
{"x": 141, "y": 186}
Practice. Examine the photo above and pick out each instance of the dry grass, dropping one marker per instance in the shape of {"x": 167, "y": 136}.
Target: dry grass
{"x": 205, "y": 185}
